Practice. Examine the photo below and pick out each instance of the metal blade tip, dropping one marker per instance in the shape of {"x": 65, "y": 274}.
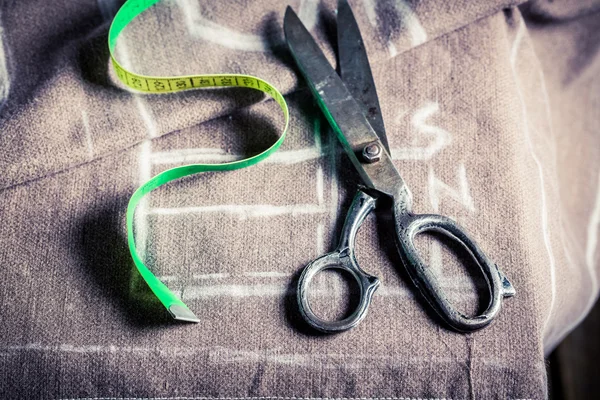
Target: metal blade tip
{"x": 292, "y": 26}
{"x": 342, "y": 3}
{"x": 289, "y": 15}
{"x": 182, "y": 314}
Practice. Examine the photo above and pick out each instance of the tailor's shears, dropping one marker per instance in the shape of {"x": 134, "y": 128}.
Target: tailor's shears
{"x": 351, "y": 106}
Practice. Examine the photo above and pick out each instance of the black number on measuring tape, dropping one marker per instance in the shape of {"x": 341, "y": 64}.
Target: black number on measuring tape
{"x": 249, "y": 82}
{"x": 136, "y": 82}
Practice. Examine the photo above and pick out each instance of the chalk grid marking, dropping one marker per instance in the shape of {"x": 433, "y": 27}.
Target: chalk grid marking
{"x": 149, "y": 159}
{"x": 437, "y": 136}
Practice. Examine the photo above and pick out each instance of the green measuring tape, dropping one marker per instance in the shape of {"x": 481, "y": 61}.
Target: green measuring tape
{"x": 170, "y": 84}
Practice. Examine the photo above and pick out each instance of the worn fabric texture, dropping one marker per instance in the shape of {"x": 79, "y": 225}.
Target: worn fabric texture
{"x": 492, "y": 119}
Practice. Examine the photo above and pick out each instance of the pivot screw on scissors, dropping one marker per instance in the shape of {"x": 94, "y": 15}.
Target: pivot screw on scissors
{"x": 352, "y": 109}
{"x": 371, "y": 153}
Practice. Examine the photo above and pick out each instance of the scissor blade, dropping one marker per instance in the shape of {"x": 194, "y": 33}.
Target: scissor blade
{"x": 356, "y": 71}
{"x": 341, "y": 110}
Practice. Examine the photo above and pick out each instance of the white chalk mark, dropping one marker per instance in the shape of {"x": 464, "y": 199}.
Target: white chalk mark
{"x": 322, "y": 290}
{"x": 67, "y": 348}
{"x": 145, "y": 173}
{"x": 465, "y": 192}
{"x": 392, "y": 49}
{"x": 144, "y": 161}
{"x": 266, "y": 274}
{"x": 517, "y": 43}
{"x": 245, "y": 211}
{"x": 455, "y": 283}
{"x": 4, "y": 75}
{"x": 320, "y": 239}
{"x": 317, "y": 134}
{"x": 81, "y": 349}
{"x": 439, "y": 137}
{"x": 591, "y": 246}
{"x": 89, "y": 143}
{"x": 211, "y": 276}
{"x": 549, "y": 115}
{"x": 369, "y": 7}
{"x": 409, "y": 22}
{"x": 320, "y": 360}
{"x": 221, "y": 275}
{"x": 168, "y": 278}
{"x": 462, "y": 195}
{"x": 201, "y": 27}
{"x": 544, "y": 206}
{"x": 308, "y": 12}
{"x": 592, "y": 231}
{"x": 320, "y": 187}
{"x": 334, "y": 187}
{"x": 435, "y": 258}
{"x": 198, "y": 292}
{"x": 191, "y": 156}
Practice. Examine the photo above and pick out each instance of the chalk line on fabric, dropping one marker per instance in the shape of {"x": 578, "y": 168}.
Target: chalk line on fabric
{"x": 441, "y": 137}
{"x": 5, "y": 80}
{"x": 320, "y": 186}
{"x": 202, "y": 155}
{"x": 320, "y": 239}
{"x": 201, "y": 27}
{"x": 266, "y": 274}
{"x": 462, "y": 195}
{"x": 244, "y": 211}
{"x": 409, "y": 22}
{"x": 544, "y": 206}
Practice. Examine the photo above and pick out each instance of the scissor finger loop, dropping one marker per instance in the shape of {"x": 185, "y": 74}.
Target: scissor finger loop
{"x": 342, "y": 258}
{"x": 408, "y": 227}
{"x": 344, "y": 261}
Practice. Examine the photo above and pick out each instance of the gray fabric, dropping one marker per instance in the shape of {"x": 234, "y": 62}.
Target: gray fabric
{"x": 490, "y": 121}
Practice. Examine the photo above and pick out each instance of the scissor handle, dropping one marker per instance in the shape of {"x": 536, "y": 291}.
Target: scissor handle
{"x": 342, "y": 258}
{"x": 408, "y": 226}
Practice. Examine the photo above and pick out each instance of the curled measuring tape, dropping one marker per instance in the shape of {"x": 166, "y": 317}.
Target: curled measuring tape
{"x": 170, "y": 84}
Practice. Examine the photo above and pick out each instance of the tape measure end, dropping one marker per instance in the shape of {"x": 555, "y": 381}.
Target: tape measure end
{"x": 182, "y": 314}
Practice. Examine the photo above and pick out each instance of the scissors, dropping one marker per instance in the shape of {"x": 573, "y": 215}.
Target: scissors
{"x": 352, "y": 109}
